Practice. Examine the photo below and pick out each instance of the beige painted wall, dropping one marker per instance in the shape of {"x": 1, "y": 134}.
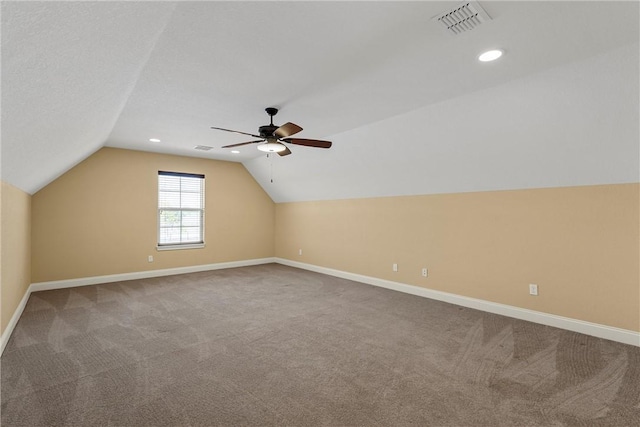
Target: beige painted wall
{"x": 579, "y": 244}
{"x": 15, "y": 249}
{"x": 99, "y": 218}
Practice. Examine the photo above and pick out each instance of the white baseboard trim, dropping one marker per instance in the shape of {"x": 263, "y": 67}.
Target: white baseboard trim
{"x": 594, "y": 329}
{"x": 597, "y": 330}
{"x": 85, "y": 281}
{"x": 4, "y": 339}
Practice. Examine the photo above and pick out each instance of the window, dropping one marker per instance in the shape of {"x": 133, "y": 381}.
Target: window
{"x": 180, "y": 210}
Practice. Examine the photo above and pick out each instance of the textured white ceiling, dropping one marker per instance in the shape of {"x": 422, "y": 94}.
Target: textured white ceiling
{"x": 408, "y": 107}
{"x": 577, "y": 124}
{"x": 67, "y": 71}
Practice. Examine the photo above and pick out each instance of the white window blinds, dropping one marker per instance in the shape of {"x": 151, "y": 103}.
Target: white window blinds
{"x": 180, "y": 209}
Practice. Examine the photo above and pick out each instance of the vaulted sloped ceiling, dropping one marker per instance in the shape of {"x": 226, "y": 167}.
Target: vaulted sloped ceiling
{"x": 409, "y": 108}
{"x": 68, "y": 69}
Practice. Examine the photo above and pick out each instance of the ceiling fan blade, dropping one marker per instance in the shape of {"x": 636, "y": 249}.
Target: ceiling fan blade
{"x": 284, "y": 152}
{"x": 237, "y": 131}
{"x": 308, "y": 142}
{"x": 242, "y": 143}
{"x": 287, "y": 129}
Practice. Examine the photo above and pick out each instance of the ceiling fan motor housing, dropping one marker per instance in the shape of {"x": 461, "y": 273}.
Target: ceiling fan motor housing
{"x": 267, "y": 130}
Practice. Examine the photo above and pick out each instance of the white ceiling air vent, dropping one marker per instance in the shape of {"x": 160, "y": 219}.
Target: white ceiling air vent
{"x": 203, "y": 147}
{"x": 463, "y": 17}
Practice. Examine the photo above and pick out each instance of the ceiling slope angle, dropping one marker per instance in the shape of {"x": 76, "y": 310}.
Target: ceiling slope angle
{"x": 73, "y": 81}
{"x": 217, "y": 65}
{"x": 67, "y": 71}
{"x": 565, "y": 113}
{"x": 575, "y": 124}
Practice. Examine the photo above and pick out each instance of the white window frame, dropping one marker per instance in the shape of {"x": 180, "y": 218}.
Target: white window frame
{"x": 190, "y": 244}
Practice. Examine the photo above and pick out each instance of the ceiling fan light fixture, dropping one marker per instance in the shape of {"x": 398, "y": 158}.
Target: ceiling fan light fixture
{"x": 271, "y": 147}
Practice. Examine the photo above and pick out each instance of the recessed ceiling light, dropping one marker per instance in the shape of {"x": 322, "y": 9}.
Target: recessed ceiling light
{"x": 154, "y": 140}
{"x": 490, "y": 55}
{"x": 235, "y": 151}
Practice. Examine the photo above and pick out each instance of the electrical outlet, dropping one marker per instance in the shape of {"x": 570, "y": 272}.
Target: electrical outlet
{"x": 150, "y": 258}
{"x": 533, "y": 289}
{"x": 425, "y": 272}
{"x": 395, "y": 267}
{"x": 299, "y": 251}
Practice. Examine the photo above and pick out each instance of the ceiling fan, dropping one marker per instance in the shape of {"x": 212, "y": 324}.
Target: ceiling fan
{"x": 272, "y": 137}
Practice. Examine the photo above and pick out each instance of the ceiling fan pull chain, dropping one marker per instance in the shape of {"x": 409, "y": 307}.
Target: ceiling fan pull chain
{"x": 270, "y": 167}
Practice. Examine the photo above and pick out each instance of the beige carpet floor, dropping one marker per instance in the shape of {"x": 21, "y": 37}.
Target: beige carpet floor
{"x": 274, "y": 345}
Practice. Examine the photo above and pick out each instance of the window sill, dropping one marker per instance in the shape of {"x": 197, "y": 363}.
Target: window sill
{"x": 179, "y": 247}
